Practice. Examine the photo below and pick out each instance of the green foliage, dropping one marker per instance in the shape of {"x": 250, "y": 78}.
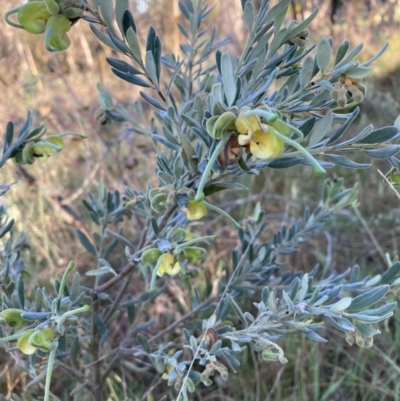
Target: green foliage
{"x": 278, "y": 105}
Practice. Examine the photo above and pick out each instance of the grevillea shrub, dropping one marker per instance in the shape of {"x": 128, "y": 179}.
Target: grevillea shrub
{"x": 281, "y": 104}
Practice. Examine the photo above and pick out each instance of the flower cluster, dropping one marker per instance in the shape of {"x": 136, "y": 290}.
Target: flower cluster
{"x": 51, "y": 17}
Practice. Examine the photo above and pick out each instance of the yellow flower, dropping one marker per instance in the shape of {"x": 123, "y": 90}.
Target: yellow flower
{"x": 265, "y": 145}
{"x": 247, "y": 126}
{"x": 33, "y": 339}
{"x": 167, "y": 265}
{"x": 33, "y": 16}
{"x": 195, "y": 210}
{"x": 12, "y": 317}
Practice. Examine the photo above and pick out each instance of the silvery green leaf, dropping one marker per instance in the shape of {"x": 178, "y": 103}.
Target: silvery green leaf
{"x": 313, "y": 335}
{"x": 303, "y": 288}
{"x": 128, "y": 22}
{"x": 285, "y": 162}
{"x": 276, "y": 10}
{"x": 85, "y": 242}
{"x": 324, "y": 51}
{"x": 100, "y": 271}
{"x": 277, "y": 42}
{"x": 346, "y": 162}
{"x": 107, "y": 12}
{"x": 368, "y": 298}
{"x": 382, "y": 310}
{"x": 131, "y": 78}
{"x": 105, "y": 96}
{"x": 325, "y": 84}
{"x": 366, "y": 331}
{"x": 32, "y": 316}
{"x": 367, "y": 318}
{"x": 37, "y": 379}
{"x": 133, "y": 44}
{"x": 123, "y": 66}
{"x": 383, "y": 153}
{"x": 306, "y": 72}
{"x": 342, "y": 129}
{"x": 341, "y": 52}
{"x": 342, "y": 69}
{"x": 351, "y": 55}
{"x": 150, "y": 66}
{"x": 103, "y": 38}
{"x": 302, "y": 26}
{"x": 322, "y": 128}
{"x": 383, "y": 134}
{"x": 142, "y": 340}
{"x": 364, "y": 133}
{"x": 237, "y": 310}
{"x": 248, "y": 15}
{"x": 228, "y": 78}
{"x": 371, "y": 60}
{"x": 288, "y": 302}
{"x": 341, "y": 323}
{"x": 120, "y": 7}
{"x": 391, "y": 273}
{"x": 359, "y": 72}
{"x": 373, "y": 281}
{"x": 341, "y": 305}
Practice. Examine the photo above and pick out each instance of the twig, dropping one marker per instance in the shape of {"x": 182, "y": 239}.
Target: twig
{"x": 390, "y": 184}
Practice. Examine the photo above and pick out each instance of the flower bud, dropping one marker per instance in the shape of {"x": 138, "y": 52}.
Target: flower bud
{"x": 342, "y": 98}
{"x": 356, "y": 93}
{"x": 150, "y": 256}
{"x": 13, "y": 317}
{"x": 335, "y": 93}
{"x": 33, "y": 16}
{"x": 216, "y": 127}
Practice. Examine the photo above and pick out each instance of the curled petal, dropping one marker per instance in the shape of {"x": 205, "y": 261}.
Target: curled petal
{"x": 33, "y": 16}
{"x": 56, "y": 38}
{"x": 266, "y": 145}
{"x": 167, "y": 265}
{"x": 23, "y": 343}
{"x": 247, "y": 124}
{"x": 195, "y": 210}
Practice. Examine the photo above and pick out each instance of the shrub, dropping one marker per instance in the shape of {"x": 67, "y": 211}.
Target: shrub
{"x": 278, "y": 105}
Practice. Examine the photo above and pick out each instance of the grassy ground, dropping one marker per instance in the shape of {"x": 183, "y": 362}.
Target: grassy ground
{"x": 46, "y": 203}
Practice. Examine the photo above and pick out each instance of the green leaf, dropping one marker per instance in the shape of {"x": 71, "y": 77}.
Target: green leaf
{"x": 248, "y": 15}
{"x": 121, "y": 6}
{"x": 306, "y": 72}
{"x": 341, "y": 52}
{"x": 276, "y": 10}
{"x": 133, "y": 44}
{"x": 368, "y": 298}
{"x": 346, "y": 162}
{"x": 391, "y": 273}
{"x": 359, "y": 72}
{"x": 342, "y": 129}
{"x": 142, "y": 340}
{"x": 384, "y": 134}
{"x": 21, "y": 291}
{"x": 150, "y": 66}
{"x": 228, "y": 78}
{"x": 321, "y": 129}
{"x": 107, "y": 12}
{"x": 103, "y": 38}
{"x": 85, "y": 242}
{"x": 324, "y": 52}
{"x": 367, "y": 318}
{"x": 301, "y": 27}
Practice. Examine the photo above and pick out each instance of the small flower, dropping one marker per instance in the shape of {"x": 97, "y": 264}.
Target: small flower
{"x": 265, "y": 145}
{"x": 33, "y": 16}
{"x": 34, "y": 339}
{"x": 56, "y": 38}
{"x": 195, "y": 210}
{"x": 258, "y": 138}
{"x": 247, "y": 126}
{"x": 12, "y": 317}
{"x": 167, "y": 265}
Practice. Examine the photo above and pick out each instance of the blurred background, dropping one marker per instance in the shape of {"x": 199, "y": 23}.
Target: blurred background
{"x": 60, "y": 90}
